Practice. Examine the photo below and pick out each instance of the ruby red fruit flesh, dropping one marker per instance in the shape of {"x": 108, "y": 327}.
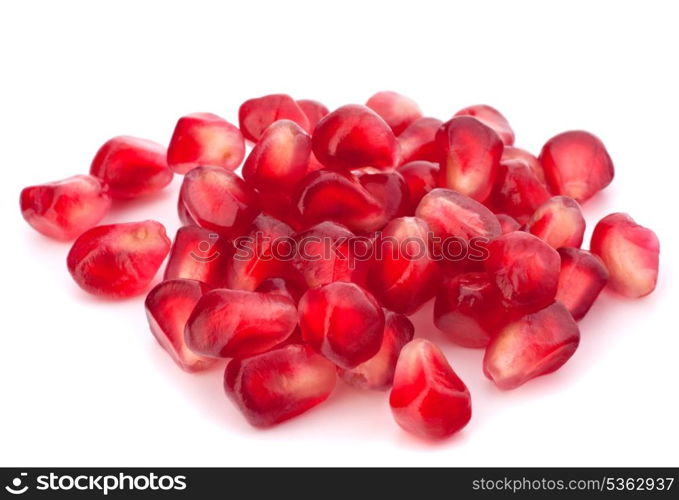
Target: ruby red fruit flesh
{"x": 492, "y": 118}
{"x": 418, "y": 141}
{"x": 255, "y": 115}
{"x": 420, "y": 177}
{"x": 397, "y": 110}
{"x": 508, "y": 223}
{"x": 288, "y": 288}
{"x": 313, "y": 110}
{"x": 517, "y": 192}
{"x": 558, "y": 222}
{"x": 582, "y": 277}
{"x": 510, "y": 153}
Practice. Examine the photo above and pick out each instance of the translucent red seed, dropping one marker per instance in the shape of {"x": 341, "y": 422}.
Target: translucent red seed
{"x": 558, "y": 222}
{"x": 582, "y": 277}
{"x": 492, "y": 118}
{"x": 397, "y": 110}
{"x": 418, "y": 141}
{"x": 255, "y": 115}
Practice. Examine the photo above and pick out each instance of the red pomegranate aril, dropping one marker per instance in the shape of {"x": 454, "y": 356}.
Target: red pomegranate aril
{"x": 468, "y": 309}
{"x": 354, "y": 136}
{"x": 65, "y": 209}
{"x": 205, "y": 139}
{"x": 291, "y": 289}
{"x": 236, "y": 323}
{"x": 397, "y": 110}
{"x": 576, "y": 164}
{"x": 418, "y": 141}
{"x": 630, "y": 253}
{"x": 168, "y": 307}
{"x": 470, "y": 155}
{"x": 378, "y": 372}
{"x": 558, "y": 222}
{"x": 404, "y": 274}
{"x": 492, "y": 118}
{"x": 279, "y": 161}
{"x": 525, "y": 269}
{"x": 217, "y": 199}
{"x": 508, "y": 223}
{"x": 132, "y": 167}
{"x": 329, "y": 252}
{"x": 534, "y": 345}
{"x": 583, "y": 276}
{"x": 313, "y": 110}
{"x": 343, "y": 322}
{"x": 255, "y": 115}
{"x": 198, "y": 254}
{"x": 420, "y": 177}
{"x": 510, "y": 153}
{"x": 428, "y": 399}
{"x": 390, "y": 190}
{"x": 118, "y": 260}
{"x": 278, "y": 385}
{"x": 517, "y": 192}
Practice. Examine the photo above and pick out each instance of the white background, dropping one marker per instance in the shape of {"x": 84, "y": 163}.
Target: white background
{"x": 83, "y": 382}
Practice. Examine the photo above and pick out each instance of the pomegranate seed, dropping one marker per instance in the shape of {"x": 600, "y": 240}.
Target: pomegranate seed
{"x": 237, "y": 323}
{"x": 288, "y": 288}
{"x": 355, "y": 136}
{"x": 468, "y": 309}
{"x": 512, "y": 154}
{"x": 378, "y": 372}
{"x": 525, "y": 269}
{"x": 265, "y": 251}
{"x": 535, "y": 345}
{"x": 280, "y": 159}
{"x": 198, "y": 254}
{"x": 582, "y": 278}
{"x": 328, "y": 252}
{"x": 630, "y": 253}
{"x": 470, "y": 156}
{"x": 205, "y": 139}
{"x": 343, "y": 322}
{"x": 217, "y": 199}
{"x": 420, "y": 177}
{"x": 492, "y": 118}
{"x": 418, "y": 141}
{"x": 558, "y": 222}
{"x": 397, "y": 110}
{"x": 118, "y": 260}
{"x": 313, "y": 110}
{"x": 132, "y": 167}
{"x": 255, "y": 115}
{"x": 405, "y": 275}
{"x": 428, "y": 399}
{"x": 390, "y": 190}
{"x": 576, "y": 164}
{"x": 517, "y": 192}
{"x": 508, "y": 223}
{"x": 278, "y": 385}
{"x": 64, "y": 209}
{"x": 168, "y": 306}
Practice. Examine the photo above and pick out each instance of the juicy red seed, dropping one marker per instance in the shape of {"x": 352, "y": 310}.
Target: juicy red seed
{"x": 355, "y": 136}
{"x": 397, "y": 110}
{"x": 510, "y": 153}
{"x": 329, "y": 252}
{"x": 378, "y": 372}
{"x": 390, "y": 190}
{"x": 236, "y": 323}
{"x": 279, "y": 161}
{"x": 265, "y": 251}
{"x": 418, "y": 141}
{"x": 630, "y": 253}
{"x": 508, "y": 223}
{"x": 118, "y": 260}
{"x": 288, "y": 288}
{"x": 558, "y": 222}
{"x": 405, "y": 274}
{"x": 428, "y": 399}
{"x": 470, "y": 155}
{"x": 576, "y": 164}
{"x": 255, "y": 115}
{"x": 534, "y": 345}
{"x": 168, "y": 307}
{"x": 517, "y": 192}
{"x": 583, "y": 276}
{"x": 64, "y": 209}
{"x": 420, "y": 177}
{"x": 492, "y": 118}
{"x": 468, "y": 309}
{"x": 343, "y": 322}
{"x": 278, "y": 385}
{"x": 205, "y": 139}
{"x": 525, "y": 269}
{"x": 313, "y": 110}
{"x": 198, "y": 254}
{"x": 131, "y": 167}
{"x": 217, "y": 199}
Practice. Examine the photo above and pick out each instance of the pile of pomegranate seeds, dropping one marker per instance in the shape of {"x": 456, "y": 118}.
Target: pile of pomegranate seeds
{"x": 305, "y": 269}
